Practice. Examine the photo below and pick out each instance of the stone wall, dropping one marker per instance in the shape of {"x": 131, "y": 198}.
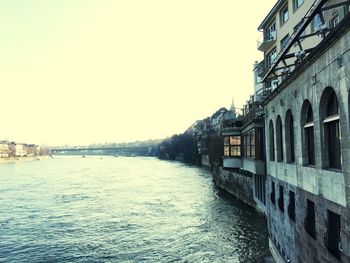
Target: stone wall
{"x": 205, "y": 160}
{"x": 329, "y": 189}
{"x": 236, "y": 184}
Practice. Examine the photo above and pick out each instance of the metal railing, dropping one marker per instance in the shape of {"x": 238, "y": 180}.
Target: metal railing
{"x": 310, "y": 14}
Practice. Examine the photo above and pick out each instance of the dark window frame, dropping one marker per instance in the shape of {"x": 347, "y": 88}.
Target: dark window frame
{"x": 291, "y": 205}
{"x": 309, "y": 135}
{"x": 332, "y": 238}
{"x": 297, "y": 5}
{"x": 284, "y": 41}
{"x": 284, "y": 15}
{"x": 228, "y": 143}
{"x": 279, "y": 139}
{"x": 289, "y": 137}
{"x": 310, "y": 219}
{"x": 271, "y": 141}
{"x": 331, "y": 128}
{"x": 273, "y": 193}
{"x": 281, "y": 199}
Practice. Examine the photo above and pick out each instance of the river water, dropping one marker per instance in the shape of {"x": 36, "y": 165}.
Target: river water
{"x": 73, "y": 209}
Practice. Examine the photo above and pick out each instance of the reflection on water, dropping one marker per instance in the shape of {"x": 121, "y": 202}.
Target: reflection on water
{"x": 122, "y": 210}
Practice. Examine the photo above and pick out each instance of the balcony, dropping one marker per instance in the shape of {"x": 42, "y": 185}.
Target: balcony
{"x": 267, "y": 41}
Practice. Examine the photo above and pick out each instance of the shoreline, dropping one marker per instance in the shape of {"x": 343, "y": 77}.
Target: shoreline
{"x": 24, "y": 159}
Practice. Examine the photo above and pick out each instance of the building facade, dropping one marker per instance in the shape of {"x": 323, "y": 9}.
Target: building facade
{"x": 304, "y": 83}
{"x": 243, "y": 171}
{"x": 4, "y": 149}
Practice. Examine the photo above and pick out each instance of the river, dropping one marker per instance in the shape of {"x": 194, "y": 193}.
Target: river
{"x": 119, "y": 209}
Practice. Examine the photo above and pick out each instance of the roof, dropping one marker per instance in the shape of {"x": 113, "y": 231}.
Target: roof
{"x": 271, "y": 14}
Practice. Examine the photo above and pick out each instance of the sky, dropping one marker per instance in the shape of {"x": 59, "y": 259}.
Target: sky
{"x": 92, "y": 71}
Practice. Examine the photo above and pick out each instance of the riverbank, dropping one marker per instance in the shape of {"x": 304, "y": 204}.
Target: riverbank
{"x": 24, "y": 159}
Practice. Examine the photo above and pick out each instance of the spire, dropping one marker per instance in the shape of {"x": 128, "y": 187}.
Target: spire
{"x": 233, "y": 108}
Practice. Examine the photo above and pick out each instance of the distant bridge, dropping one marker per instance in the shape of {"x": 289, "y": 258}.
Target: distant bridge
{"x": 126, "y": 151}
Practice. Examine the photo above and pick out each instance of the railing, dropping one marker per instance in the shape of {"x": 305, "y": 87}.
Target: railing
{"x": 314, "y": 9}
{"x": 263, "y": 93}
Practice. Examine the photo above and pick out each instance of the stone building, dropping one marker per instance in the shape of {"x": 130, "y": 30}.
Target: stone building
{"x": 243, "y": 171}
{"x": 304, "y": 84}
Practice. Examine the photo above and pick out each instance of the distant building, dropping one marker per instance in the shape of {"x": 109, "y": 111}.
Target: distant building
{"x": 244, "y": 159}
{"x": 32, "y": 150}
{"x": 21, "y": 150}
{"x": 4, "y": 149}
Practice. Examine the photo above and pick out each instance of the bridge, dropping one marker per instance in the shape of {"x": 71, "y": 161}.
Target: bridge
{"x": 123, "y": 151}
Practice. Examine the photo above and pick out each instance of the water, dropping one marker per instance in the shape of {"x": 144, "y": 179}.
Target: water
{"x": 73, "y": 209}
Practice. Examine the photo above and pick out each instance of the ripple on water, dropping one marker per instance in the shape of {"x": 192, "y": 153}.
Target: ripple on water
{"x": 71, "y": 209}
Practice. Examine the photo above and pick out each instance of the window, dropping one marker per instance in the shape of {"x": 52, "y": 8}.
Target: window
{"x": 297, "y": 4}
{"x": 272, "y": 195}
{"x": 246, "y": 145}
{"x": 232, "y": 146}
{"x": 259, "y": 143}
{"x": 279, "y": 139}
{"x": 227, "y": 146}
{"x": 332, "y": 236}
{"x": 291, "y": 205}
{"x": 310, "y": 225}
{"x": 331, "y": 128}
{"x": 270, "y": 57}
{"x": 284, "y": 15}
{"x": 308, "y": 125}
{"x": 289, "y": 131}
{"x": 271, "y": 141}
{"x": 270, "y": 33}
{"x": 252, "y": 143}
{"x": 284, "y": 41}
{"x": 281, "y": 199}
{"x": 259, "y": 181}
{"x": 249, "y": 144}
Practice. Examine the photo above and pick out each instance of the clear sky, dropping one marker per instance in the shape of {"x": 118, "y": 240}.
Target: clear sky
{"x": 87, "y": 71}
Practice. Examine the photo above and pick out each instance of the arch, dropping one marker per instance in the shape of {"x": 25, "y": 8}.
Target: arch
{"x": 307, "y": 125}
{"x": 279, "y": 139}
{"x": 289, "y": 135}
{"x": 330, "y": 123}
{"x": 271, "y": 141}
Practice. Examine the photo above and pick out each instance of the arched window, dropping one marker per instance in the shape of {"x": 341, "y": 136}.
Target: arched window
{"x": 329, "y": 110}
{"x": 272, "y": 141}
{"x": 289, "y": 132}
{"x": 279, "y": 139}
{"x": 307, "y": 120}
